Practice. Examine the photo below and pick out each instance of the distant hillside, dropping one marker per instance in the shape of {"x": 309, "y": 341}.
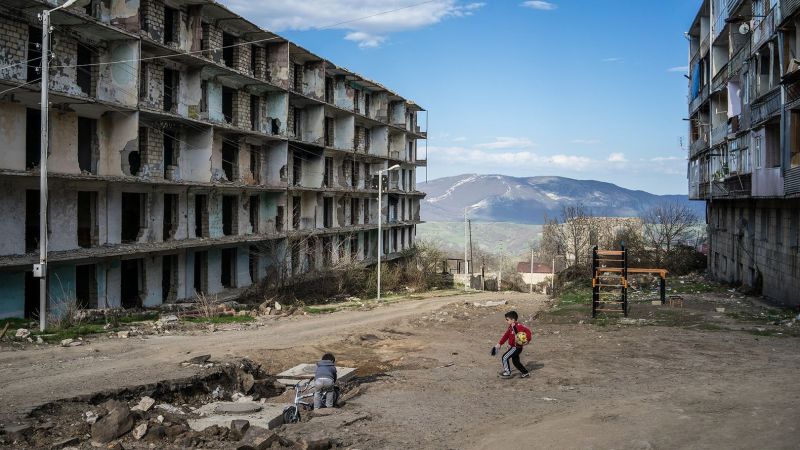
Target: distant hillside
{"x": 489, "y": 237}
{"x": 500, "y": 198}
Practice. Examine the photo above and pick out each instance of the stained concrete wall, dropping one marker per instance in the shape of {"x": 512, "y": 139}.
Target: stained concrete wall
{"x": 397, "y": 143}
{"x": 63, "y": 72}
{"x": 152, "y": 289}
{"x": 12, "y": 294}
{"x": 190, "y": 93}
{"x": 343, "y": 94}
{"x": 379, "y": 109}
{"x": 118, "y": 82}
{"x": 379, "y": 141}
{"x": 314, "y": 80}
{"x": 63, "y": 143}
{"x": 277, "y": 107}
{"x": 215, "y": 271}
{"x": 196, "y": 155}
{"x": 274, "y": 162}
{"x": 117, "y": 137}
{"x": 214, "y": 100}
{"x": 13, "y": 49}
{"x": 344, "y": 132}
{"x": 397, "y": 111}
{"x": 313, "y": 123}
{"x": 215, "y": 215}
{"x": 124, "y": 13}
{"x": 12, "y": 128}
{"x": 313, "y": 167}
{"x": 243, "y": 267}
{"x": 278, "y": 62}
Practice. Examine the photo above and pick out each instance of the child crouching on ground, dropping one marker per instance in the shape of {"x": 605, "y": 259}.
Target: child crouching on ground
{"x": 324, "y": 379}
{"x": 516, "y": 335}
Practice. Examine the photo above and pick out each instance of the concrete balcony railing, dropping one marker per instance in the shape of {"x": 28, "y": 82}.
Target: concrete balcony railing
{"x": 765, "y": 107}
{"x": 718, "y": 134}
{"x": 698, "y": 146}
{"x": 788, "y": 7}
{"x": 765, "y": 29}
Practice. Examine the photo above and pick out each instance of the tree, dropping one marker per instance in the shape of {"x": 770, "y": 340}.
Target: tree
{"x": 666, "y": 225}
{"x": 573, "y": 233}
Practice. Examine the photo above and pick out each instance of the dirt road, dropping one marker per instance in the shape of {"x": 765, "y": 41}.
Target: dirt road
{"x": 428, "y": 381}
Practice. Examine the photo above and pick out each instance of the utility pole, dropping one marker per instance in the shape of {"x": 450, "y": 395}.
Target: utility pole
{"x": 500, "y": 271}
{"x": 471, "y": 260}
{"x": 531, "y": 270}
{"x": 553, "y": 279}
{"x": 380, "y": 217}
{"x": 466, "y": 263}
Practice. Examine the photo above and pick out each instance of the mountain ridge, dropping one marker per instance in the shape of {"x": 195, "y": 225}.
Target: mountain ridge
{"x": 528, "y": 200}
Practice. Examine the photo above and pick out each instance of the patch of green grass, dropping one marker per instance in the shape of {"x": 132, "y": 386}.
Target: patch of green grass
{"x": 577, "y": 296}
{"x": 14, "y": 323}
{"x": 220, "y": 319}
{"x": 321, "y": 309}
{"x": 72, "y": 332}
{"x": 138, "y": 317}
{"x": 764, "y": 315}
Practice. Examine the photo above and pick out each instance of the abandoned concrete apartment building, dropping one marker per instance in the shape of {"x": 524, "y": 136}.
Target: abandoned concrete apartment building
{"x": 191, "y": 151}
{"x": 744, "y": 155}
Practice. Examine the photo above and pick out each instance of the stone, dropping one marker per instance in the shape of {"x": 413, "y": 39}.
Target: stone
{"x": 18, "y": 431}
{"x": 490, "y": 303}
{"x": 123, "y": 334}
{"x": 257, "y": 438}
{"x": 113, "y": 425}
{"x": 239, "y": 428}
{"x": 115, "y": 446}
{"x": 144, "y": 404}
{"x": 369, "y": 337}
{"x": 169, "y": 408}
{"x": 278, "y": 306}
{"x": 202, "y": 359}
{"x": 237, "y": 408}
{"x": 22, "y": 333}
{"x": 64, "y": 443}
{"x": 720, "y": 310}
{"x": 155, "y": 433}
{"x": 270, "y": 415}
{"x": 655, "y": 302}
{"x": 139, "y": 431}
{"x": 110, "y": 405}
{"x": 169, "y": 319}
{"x": 315, "y": 442}
{"x": 70, "y": 343}
{"x": 174, "y": 430}
{"x": 160, "y": 419}
{"x": 90, "y": 417}
{"x": 247, "y": 383}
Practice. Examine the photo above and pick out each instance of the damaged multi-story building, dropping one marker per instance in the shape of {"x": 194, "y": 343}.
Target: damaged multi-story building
{"x": 744, "y": 152}
{"x": 190, "y": 151}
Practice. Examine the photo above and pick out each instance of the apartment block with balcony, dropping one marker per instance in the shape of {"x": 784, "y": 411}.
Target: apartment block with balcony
{"x": 744, "y": 140}
{"x": 191, "y": 151}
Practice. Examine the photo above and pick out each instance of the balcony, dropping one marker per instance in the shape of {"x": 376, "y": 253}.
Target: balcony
{"x": 698, "y": 146}
{"x": 765, "y": 29}
{"x": 720, "y": 79}
{"x": 788, "y": 7}
{"x": 699, "y": 100}
{"x": 765, "y": 108}
{"x": 768, "y": 182}
{"x": 718, "y": 134}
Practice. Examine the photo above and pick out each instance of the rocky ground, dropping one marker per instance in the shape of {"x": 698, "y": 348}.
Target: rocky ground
{"x": 715, "y": 370}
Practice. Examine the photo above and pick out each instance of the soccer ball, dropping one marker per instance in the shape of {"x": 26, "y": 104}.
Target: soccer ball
{"x": 522, "y": 338}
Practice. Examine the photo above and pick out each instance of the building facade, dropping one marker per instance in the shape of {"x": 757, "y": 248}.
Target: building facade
{"x": 191, "y": 151}
{"x": 744, "y": 146}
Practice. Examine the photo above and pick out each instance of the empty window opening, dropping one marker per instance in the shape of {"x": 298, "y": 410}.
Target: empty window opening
{"x": 200, "y": 272}
{"x": 252, "y": 263}
{"x": 85, "y": 67}
{"x": 86, "y": 286}
{"x": 32, "y": 285}
{"x": 279, "y": 220}
{"x": 311, "y": 254}
{"x": 227, "y": 104}
{"x": 328, "y": 90}
{"x": 296, "y": 212}
{"x": 33, "y": 138}
{"x": 169, "y": 278}
{"x": 402, "y": 238}
{"x": 355, "y": 168}
{"x": 353, "y": 248}
{"x": 297, "y": 169}
{"x": 327, "y": 175}
{"x": 170, "y": 89}
{"x": 329, "y": 127}
{"x": 366, "y": 211}
{"x": 133, "y": 217}
{"x": 87, "y": 160}
{"x": 87, "y": 219}
{"x": 298, "y": 117}
{"x": 170, "y": 216}
{"x": 34, "y": 53}
{"x": 297, "y": 83}
{"x": 228, "y": 275}
{"x": 327, "y": 212}
{"x": 228, "y": 41}
{"x": 410, "y": 152}
{"x": 31, "y": 220}
{"x": 366, "y": 139}
{"x": 255, "y": 164}
{"x": 394, "y": 239}
{"x": 327, "y": 251}
{"x": 254, "y": 52}
{"x": 201, "y": 216}
{"x": 254, "y": 207}
{"x": 356, "y": 100}
{"x": 171, "y": 20}
{"x": 342, "y": 242}
{"x": 385, "y": 242}
{"x": 132, "y": 284}
{"x": 295, "y": 257}
{"x": 170, "y": 153}
{"x": 229, "y": 214}
{"x": 354, "y": 204}
{"x": 365, "y": 238}
{"x": 772, "y": 156}
{"x": 255, "y": 113}
{"x": 230, "y": 159}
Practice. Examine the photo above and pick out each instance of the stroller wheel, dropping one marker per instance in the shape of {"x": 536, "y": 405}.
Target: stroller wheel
{"x": 291, "y": 414}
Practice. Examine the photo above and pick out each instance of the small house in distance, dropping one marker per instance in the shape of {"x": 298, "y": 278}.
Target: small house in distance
{"x": 540, "y": 272}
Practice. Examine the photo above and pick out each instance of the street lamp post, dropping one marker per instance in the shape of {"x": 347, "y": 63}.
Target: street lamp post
{"x": 380, "y": 219}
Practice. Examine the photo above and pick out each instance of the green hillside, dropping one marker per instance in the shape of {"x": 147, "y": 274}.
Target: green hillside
{"x": 514, "y": 238}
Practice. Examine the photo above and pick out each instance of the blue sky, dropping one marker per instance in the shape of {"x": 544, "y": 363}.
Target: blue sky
{"x": 589, "y": 89}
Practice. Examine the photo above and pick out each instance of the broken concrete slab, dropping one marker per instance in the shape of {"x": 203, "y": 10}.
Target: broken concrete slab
{"x": 267, "y": 415}
{"x": 490, "y": 303}
{"x": 239, "y": 428}
{"x": 200, "y": 360}
{"x": 113, "y": 425}
{"x": 140, "y": 431}
{"x": 257, "y": 438}
{"x": 306, "y": 371}
{"x": 144, "y": 404}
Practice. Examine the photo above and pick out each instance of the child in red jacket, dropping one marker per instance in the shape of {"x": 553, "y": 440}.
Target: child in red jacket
{"x": 515, "y": 345}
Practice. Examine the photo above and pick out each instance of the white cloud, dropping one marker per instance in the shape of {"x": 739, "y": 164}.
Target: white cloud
{"x": 367, "y": 22}
{"x": 617, "y": 157}
{"x": 615, "y": 59}
{"x": 507, "y": 143}
{"x": 678, "y": 69}
{"x": 540, "y": 5}
{"x": 584, "y": 141}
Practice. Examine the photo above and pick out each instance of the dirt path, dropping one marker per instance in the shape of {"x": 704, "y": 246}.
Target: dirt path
{"x": 32, "y": 377}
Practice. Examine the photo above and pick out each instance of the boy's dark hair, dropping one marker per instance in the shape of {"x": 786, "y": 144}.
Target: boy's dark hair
{"x": 512, "y": 315}
{"x": 329, "y": 357}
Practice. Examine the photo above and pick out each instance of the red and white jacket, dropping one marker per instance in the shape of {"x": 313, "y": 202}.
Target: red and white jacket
{"x": 511, "y": 334}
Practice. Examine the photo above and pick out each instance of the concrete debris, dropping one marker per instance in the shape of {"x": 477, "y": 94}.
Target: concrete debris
{"x": 70, "y": 343}
{"x": 65, "y": 444}
{"x": 257, "y": 438}
{"x": 39, "y": 340}
{"x": 123, "y": 334}
{"x": 90, "y": 417}
{"x": 158, "y": 432}
{"x": 18, "y": 431}
{"x": 199, "y": 360}
{"x": 239, "y": 428}
{"x": 315, "y": 442}
{"x": 548, "y": 399}
{"x": 160, "y": 419}
{"x": 22, "y": 333}
{"x": 720, "y": 310}
{"x": 107, "y": 326}
{"x": 237, "y": 408}
{"x": 140, "y": 431}
{"x": 144, "y": 404}
{"x": 169, "y": 408}
{"x": 491, "y": 304}
{"x": 278, "y": 306}
{"x": 221, "y": 414}
{"x": 218, "y": 393}
{"x": 247, "y": 382}
{"x": 113, "y": 425}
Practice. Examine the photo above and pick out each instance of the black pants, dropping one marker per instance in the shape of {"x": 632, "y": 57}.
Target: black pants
{"x": 513, "y": 355}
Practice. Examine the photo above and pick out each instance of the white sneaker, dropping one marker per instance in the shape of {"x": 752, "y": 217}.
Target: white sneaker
{"x": 505, "y": 374}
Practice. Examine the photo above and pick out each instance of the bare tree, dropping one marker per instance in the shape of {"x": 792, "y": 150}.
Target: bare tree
{"x": 574, "y": 233}
{"x": 666, "y": 225}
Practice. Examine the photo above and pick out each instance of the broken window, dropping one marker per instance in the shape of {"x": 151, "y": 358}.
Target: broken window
{"x": 255, "y": 113}
{"x": 170, "y": 89}
{"x": 34, "y": 53}
{"x": 296, "y": 212}
{"x": 353, "y": 247}
{"x": 87, "y": 219}
{"x": 31, "y": 220}
{"x": 86, "y": 145}
{"x": 228, "y": 41}
{"x": 230, "y": 215}
{"x": 228, "y": 272}
{"x": 327, "y": 175}
{"x": 86, "y": 286}
{"x": 297, "y": 169}
{"x": 84, "y": 69}
{"x": 133, "y": 217}
{"x": 132, "y": 283}
{"x": 366, "y": 210}
{"x": 230, "y": 159}
{"x": 354, "y": 204}
{"x": 33, "y": 138}
{"x": 200, "y": 272}
{"x": 171, "y": 20}
{"x": 327, "y": 212}
{"x": 169, "y": 278}
{"x": 201, "y": 215}
{"x": 170, "y": 216}
{"x": 254, "y": 210}
{"x": 227, "y": 104}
